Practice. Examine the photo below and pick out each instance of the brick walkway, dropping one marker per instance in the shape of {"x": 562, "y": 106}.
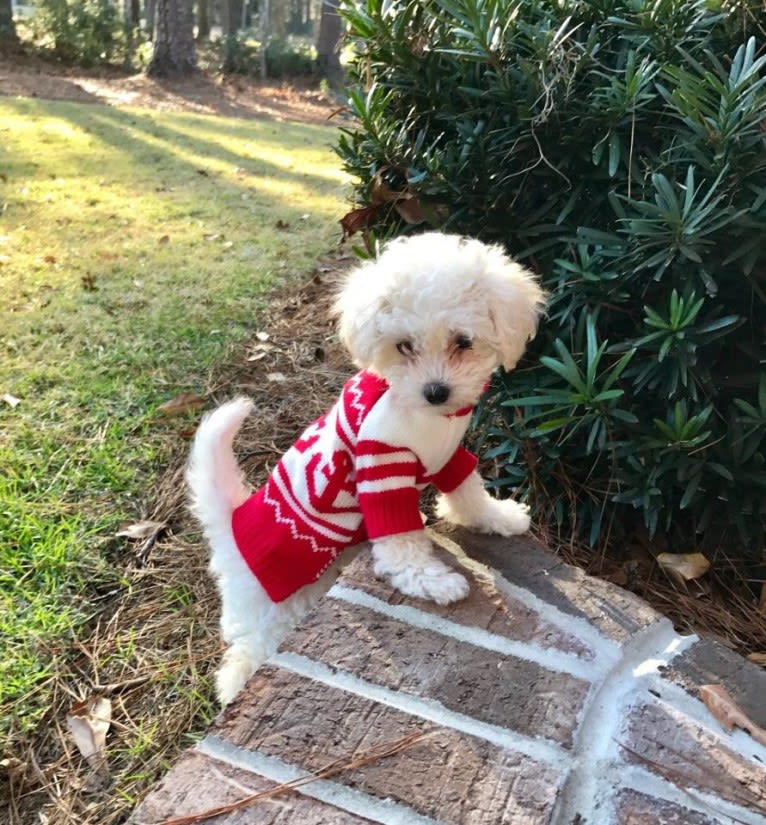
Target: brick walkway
{"x": 547, "y": 696}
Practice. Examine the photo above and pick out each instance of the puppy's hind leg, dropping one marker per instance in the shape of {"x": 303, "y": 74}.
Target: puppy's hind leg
{"x": 245, "y": 608}
{"x": 251, "y": 624}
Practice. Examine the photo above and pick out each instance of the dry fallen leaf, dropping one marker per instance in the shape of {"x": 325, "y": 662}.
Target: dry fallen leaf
{"x": 409, "y": 209}
{"x": 757, "y": 659}
{"x": 11, "y": 400}
{"x": 142, "y": 529}
{"x": 276, "y": 376}
{"x": 357, "y": 220}
{"x": 729, "y": 713}
{"x": 683, "y": 566}
{"x": 89, "y": 722}
{"x": 262, "y": 336}
{"x": 261, "y": 350}
{"x": 182, "y": 404}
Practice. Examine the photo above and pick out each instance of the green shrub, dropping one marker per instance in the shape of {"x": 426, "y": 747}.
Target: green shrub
{"x": 240, "y": 55}
{"x": 619, "y": 149}
{"x": 290, "y": 57}
{"x": 85, "y": 32}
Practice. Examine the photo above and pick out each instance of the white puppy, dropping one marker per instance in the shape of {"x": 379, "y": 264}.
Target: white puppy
{"x": 427, "y": 322}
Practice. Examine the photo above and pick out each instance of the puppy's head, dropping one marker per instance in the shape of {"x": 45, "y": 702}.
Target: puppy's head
{"x": 435, "y": 314}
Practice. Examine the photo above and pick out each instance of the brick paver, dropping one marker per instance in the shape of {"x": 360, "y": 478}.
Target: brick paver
{"x": 547, "y": 696}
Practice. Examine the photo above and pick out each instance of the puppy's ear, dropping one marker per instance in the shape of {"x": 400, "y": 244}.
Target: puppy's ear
{"x": 516, "y": 303}
{"x": 357, "y": 307}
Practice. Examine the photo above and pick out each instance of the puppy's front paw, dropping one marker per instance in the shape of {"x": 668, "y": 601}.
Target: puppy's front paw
{"x": 435, "y": 584}
{"x": 432, "y": 581}
{"x": 408, "y": 563}
{"x": 506, "y": 518}
{"x": 486, "y": 514}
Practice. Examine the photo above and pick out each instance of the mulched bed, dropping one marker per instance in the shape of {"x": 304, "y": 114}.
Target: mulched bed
{"x": 26, "y": 75}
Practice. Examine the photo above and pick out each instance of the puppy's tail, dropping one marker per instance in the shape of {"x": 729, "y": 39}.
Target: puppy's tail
{"x": 216, "y": 482}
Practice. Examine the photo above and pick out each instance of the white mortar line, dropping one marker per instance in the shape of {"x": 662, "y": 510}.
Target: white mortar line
{"x": 590, "y": 787}
{"x": 549, "y": 658}
{"x": 607, "y": 652}
{"x": 384, "y": 811}
{"x": 539, "y": 749}
{"x": 645, "y": 782}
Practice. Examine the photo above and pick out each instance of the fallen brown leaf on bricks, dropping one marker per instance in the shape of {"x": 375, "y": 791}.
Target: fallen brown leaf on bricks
{"x": 729, "y": 713}
{"x": 683, "y": 566}
{"x": 332, "y": 769}
{"x": 683, "y": 780}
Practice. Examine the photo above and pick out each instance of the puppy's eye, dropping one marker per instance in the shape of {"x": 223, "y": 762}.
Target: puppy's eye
{"x": 463, "y": 342}
{"x": 406, "y": 348}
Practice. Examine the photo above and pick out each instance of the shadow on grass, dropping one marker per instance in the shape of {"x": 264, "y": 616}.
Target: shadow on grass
{"x": 174, "y": 147}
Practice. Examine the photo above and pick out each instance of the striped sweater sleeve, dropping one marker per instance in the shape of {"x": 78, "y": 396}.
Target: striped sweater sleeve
{"x": 386, "y": 488}
{"x": 455, "y": 471}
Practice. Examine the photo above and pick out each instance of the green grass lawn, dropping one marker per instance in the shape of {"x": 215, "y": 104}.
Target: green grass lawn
{"x": 135, "y": 250}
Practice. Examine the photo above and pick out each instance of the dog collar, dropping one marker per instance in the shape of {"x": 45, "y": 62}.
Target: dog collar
{"x": 466, "y": 410}
{"x": 460, "y": 413}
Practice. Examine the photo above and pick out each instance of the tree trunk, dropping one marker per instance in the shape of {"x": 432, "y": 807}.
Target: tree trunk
{"x": 203, "y": 19}
{"x": 231, "y": 17}
{"x": 265, "y": 20}
{"x": 7, "y": 27}
{"x": 174, "y": 51}
{"x": 151, "y": 8}
{"x": 128, "y": 18}
{"x": 328, "y": 43}
{"x": 278, "y": 17}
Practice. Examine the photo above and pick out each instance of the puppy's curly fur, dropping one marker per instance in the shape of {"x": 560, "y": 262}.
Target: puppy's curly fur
{"x": 434, "y": 316}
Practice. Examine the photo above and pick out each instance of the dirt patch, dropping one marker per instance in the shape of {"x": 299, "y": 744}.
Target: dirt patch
{"x": 225, "y": 95}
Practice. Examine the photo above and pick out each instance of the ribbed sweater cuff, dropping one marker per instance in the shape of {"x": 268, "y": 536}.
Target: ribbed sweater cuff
{"x": 389, "y": 513}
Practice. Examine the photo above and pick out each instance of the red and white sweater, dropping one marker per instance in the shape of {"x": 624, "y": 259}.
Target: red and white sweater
{"x": 354, "y": 474}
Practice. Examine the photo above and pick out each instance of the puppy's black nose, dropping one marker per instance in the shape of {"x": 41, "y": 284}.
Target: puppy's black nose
{"x": 436, "y": 392}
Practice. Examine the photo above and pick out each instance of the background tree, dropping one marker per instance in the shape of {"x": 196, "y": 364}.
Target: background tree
{"x": 131, "y": 13}
{"x": 231, "y": 17}
{"x": 7, "y": 27}
{"x": 328, "y": 53}
{"x": 203, "y": 20}
{"x": 174, "y": 50}
{"x": 300, "y": 17}
{"x": 151, "y": 8}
